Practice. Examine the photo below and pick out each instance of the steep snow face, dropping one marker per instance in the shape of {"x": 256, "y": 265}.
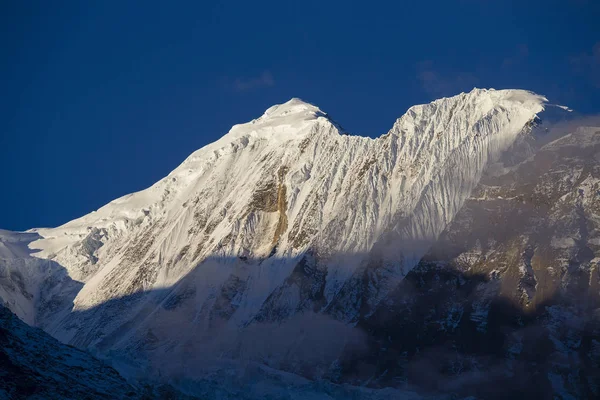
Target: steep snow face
{"x": 282, "y": 214}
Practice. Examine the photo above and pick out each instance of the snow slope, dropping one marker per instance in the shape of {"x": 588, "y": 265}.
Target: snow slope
{"x": 284, "y": 214}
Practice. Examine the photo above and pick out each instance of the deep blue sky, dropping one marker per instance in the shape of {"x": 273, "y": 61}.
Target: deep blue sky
{"x": 100, "y": 99}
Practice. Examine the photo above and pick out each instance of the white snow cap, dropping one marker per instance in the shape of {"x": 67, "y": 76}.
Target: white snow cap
{"x": 295, "y": 106}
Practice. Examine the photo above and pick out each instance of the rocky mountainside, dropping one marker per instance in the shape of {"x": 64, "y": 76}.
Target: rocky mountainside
{"x": 507, "y": 302}
{"x": 33, "y": 365}
{"x": 291, "y": 244}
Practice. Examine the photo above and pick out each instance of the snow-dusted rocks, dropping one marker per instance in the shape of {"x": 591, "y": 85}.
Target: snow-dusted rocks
{"x": 507, "y": 301}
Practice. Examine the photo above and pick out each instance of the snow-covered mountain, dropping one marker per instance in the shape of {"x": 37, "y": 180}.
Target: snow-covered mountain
{"x": 280, "y": 237}
{"x": 287, "y": 184}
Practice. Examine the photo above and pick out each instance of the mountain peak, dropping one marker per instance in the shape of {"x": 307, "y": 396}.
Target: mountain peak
{"x": 296, "y": 107}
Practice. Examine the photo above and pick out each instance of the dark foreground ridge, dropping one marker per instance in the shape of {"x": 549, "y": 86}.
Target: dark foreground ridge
{"x": 34, "y": 365}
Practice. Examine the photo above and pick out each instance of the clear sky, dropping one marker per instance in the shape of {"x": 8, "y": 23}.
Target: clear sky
{"x": 100, "y": 99}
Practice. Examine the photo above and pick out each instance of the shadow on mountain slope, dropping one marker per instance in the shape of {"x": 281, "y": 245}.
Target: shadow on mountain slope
{"x": 34, "y": 365}
{"x": 450, "y": 331}
{"x": 442, "y": 329}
